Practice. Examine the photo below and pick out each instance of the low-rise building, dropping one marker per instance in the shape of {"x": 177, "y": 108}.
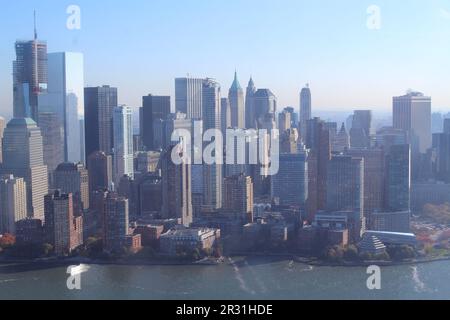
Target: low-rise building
{"x": 188, "y": 240}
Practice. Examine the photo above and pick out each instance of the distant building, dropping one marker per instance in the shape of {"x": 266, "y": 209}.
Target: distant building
{"x": 13, "y": 203}
{"x": 116, "y": 223}
{"x": 188, "y": 97}
{"x": 237, "y": 104}
{"x": 188, "y": 240}
{"x": 412, "y": 113}
{"x": 63, "y": 229}
{"x": 123, "y": 143}
{"x": 390, "y": 221}
{"x": 398, "y": 175}
{"x": 147, "y": 161}
{"x": 99, "y": 105}
{"x": 238, "y": 195}
{"x": 361, "y": 129}
{"x": 2, "y": 129}
{"x": 74, "y": 178}
{"x": 372, "y": 245}
{"x": 100, "y": 171}
{"x": 23, "y": 157}
{"x": 176, "y": 189}
{"x": 305, "y": 110}
{"x": 424, "y": 193}
{"x": 341, "y": 141}
{"x": 29, "y": 231}
{"x": 150, "y": 195}
{"x": 250, "y": 92}
{"x": 52, "y": 140}
{"x": 153, "y": 108}
{"x": 264, "y": 102}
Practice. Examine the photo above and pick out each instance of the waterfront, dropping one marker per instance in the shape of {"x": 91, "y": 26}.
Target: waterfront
{"x": 251, "y": 278}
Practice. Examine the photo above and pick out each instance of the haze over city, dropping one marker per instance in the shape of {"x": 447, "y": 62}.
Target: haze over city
{"x": 141, "y": 46}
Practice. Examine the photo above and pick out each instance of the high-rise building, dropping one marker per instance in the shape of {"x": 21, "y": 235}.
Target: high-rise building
{"x": 63, "y": 230}
{"x": 341, "y": 141}
{"x": 52, "y": 140}
{"x": 13, "y": 203}
{"x": 99, "y": 105}
{"x": 23, "y": 157}
{"x": 374, "y": 183}
{"x": 398, "y": 178}
{"x": 318, "y": 142}
{"x": 361, "y": 129}
{"x": 29, "y": 77}
{"x": 123, "y": 143}
{"x": 264, "y": 103}
{"x": 178, "y": 121}
{"x": 154, "y": 108}
{"x": 100, "y": 171}
{"x": 305, "y": 110}
{"x": 212, "y": 173}
{"x": 2, "y": 128}
{"x": 65, "y": 98}
{"x": 345, "y": 184}
{"x": 73, "y": 178}
{"x": 290, "y": 185}
{"x": 412, "y": 113}
{"x": 188, "y": 97}
{"x": 250, "y": 92}
{"x": 284, "y": 121}
{"x": 345, "y": 192}
{"x": 238, "y": 195}
{"x": 116, "y": 223}
{"x": 150, "y": 195}
{"x": 225, "y": 117}
{"x": 176, "y": 188}
{"x": 237, "y": 104}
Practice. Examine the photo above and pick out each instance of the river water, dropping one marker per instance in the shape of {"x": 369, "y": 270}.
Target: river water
{"x": 242, "y": 278}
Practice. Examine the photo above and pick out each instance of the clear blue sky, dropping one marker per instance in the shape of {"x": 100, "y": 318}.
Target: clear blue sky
{"x": 140, "y": 46}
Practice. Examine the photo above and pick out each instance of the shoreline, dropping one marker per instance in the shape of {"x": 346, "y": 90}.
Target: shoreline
{"x": 43, "y": 263}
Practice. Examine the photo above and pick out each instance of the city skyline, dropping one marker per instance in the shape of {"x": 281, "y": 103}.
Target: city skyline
{"x": 306, "y": 42}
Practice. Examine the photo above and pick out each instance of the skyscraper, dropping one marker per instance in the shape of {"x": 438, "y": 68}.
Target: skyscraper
{"x": 361, "y": 129}
{"x": 238, "y": 195}
{"x": 123, "y": 143}
{"x": 225, "y": 117}
{"x": 341, "y": 141}
{"x": 284, "y": 121}
{"x": 154, "y": 108}
{"x": 29, "y": 77}
{"x": 318, "y": 142}
{"x": 264, "y": 103}
{"x": 116, "y": 223}
{"x": 212, "y": 173}
{"x": 237, "y": 104}
{"x": 176, "y": 188}
{"x": 412, "y": 113}
{"x": 63, "y": 229}
{"x": 398, "y": 178}
{"x": 65, "y": 98}
{"x": 23, "y": 157}
{"x": 100, "y": 171}
{"x": 2, "y": 128}
{"x": 305, "y": 110}
{"x": 250, "y": 92}
{"x": 290, "y": 185}
{"x": 188, "y": 97}
{"x": 73, "y": 178}
{"x": 99, "y": 104}
{"x": 13, "y": 203}
{"x": 52, "y": 140}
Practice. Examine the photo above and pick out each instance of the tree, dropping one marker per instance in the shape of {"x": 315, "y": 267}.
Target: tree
{"x": 351, "y": 253}
{"x": 7, "y": 241}
{"x": 47, "y": 249}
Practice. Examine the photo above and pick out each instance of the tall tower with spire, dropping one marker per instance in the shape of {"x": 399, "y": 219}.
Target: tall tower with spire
{"x": 237, "y": 104}
{"x": 29, "y": 76}
{"x": 249, "y": 112}
{"x": 305, "y": 110}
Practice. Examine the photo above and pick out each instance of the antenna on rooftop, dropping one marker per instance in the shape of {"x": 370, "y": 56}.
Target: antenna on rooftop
{"x": 35, "y": 29}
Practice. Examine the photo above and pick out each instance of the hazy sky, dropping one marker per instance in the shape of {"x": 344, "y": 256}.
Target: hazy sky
{"x": 140, "y": 46}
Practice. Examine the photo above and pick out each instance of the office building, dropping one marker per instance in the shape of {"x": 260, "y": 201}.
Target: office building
{"x": 13, "y": 203}
{"x": 361, "y": 129}
{"x": 225, "y": 117}
{"x": 23, "y": 158}
{"x": 398, "y": 178}
{"x": 238, "y": 195}
{"x": 123, "y": 143}
{"x": 52, "y": 140}
{"x": 237, "y": 104}
{"x": 2, "y": 128}
{"x": 73, "y": 178}
{"x": 154, "y": 109}
{"x": 305, "y": 110}
{"x": 65, "y": 99}
{"x": 188, "y": 97}
{"x": 100, "y": 171}
{"x": 99, "y": 105}
{"x": 63, "y": 229}
{"x": 412, "y": 113}
{"x": 264, "y": 103}
{"x": 250, "y": 93}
